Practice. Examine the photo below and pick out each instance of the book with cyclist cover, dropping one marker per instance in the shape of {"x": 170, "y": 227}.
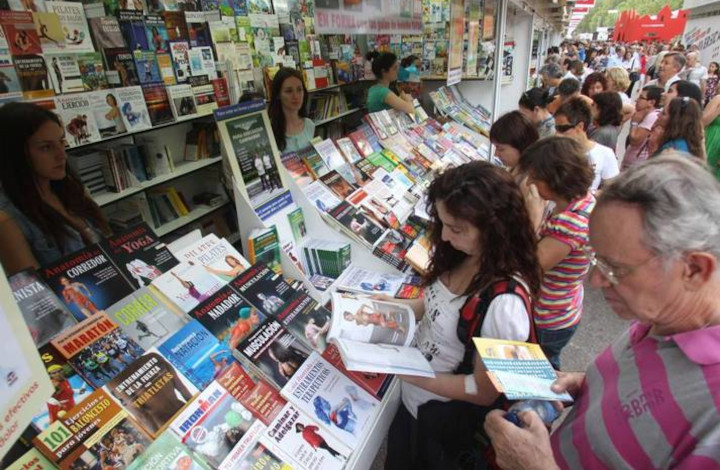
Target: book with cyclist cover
{"x": 86, "y": 281}
{"x": 264, "y": 288}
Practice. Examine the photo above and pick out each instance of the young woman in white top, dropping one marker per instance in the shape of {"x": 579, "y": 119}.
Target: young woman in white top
{"x": 481, "y": 235}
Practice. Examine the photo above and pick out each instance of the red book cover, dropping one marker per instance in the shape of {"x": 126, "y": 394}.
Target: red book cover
{"x": 222, "y": 94}
{"x": 361, "y": 143}
{"x": 20, "y": 32}
{"x": 261, "y": 398}
{"x": 373, "y": 383}
{"x": 321, "y": 80}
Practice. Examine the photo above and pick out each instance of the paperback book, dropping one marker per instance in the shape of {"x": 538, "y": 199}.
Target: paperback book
{"x": 158, "y": 104}
{"x": 337, "y": 184}
{"x": 147, "y": 67}
{"x": 376, "y": 384}
{"x": 202, "y": 62}
{"x": 165, "y": 453}
{"x": 50, "y": 32}
{"x": 157, "y": 34}
{"x": 179, "y": 52}
{"x": 121, "y": 67}
{"x": 133, "y": 29}
{"x": 20, "y": 32}
{"x": 307, "y": 320}
{"x": 64, "y": 73}
{"x": 86, "y": 281}
{"x": 176, "y": 25}
{"x": 44, "y": 314}
{"x": 97, "y": 349}
{"x": 74, "y": 25}
{"x": 264, "y": 288}
{"x": 204, "y": 94}
{"x": 257, "y": 395}
{"x": 264, "y": 247}
{"x": 131, "y": 102}
{"x": 152, "y": 391}
{"x": 187, "y": 285}
{"x": 182, "y": 102}
{"x": 106, "y": 32}
{"x": 167, "y": 70}
{"x": 356, "y": 224}
{"x": 216, "y": 255}
{"x": 196, "y": 353}
{"x": 92, "y": 71}
{"x": 297, "y": 169}
{"x": 321, "y": 197}
{"x": 32, "y": 74}
{"x": 228, "y": 317}
{"x": 107, "y": 113}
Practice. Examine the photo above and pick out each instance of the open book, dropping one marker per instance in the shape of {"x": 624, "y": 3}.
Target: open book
{"x": 375, "y": 336}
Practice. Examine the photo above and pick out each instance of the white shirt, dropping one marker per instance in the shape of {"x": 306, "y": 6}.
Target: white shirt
{"x": 436, "y": 335}
{"x": 673, "y": 79}
{"x": 696, "y": 74}
{"x": 569, "y": 74}
{"x": 604, "y": 164}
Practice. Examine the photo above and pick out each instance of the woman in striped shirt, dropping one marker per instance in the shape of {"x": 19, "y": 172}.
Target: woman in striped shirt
{"x": 561, "y": 171}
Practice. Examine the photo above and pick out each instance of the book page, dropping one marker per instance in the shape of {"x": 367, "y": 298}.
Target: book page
{"x": 371, "y": 321}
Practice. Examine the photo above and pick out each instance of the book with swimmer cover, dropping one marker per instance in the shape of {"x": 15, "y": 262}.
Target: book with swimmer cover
{"x": 83, "y": 435}
{"x": 86, "y": 281}
{"x": 519, "y": 370}
{"x": 216, "y": 255}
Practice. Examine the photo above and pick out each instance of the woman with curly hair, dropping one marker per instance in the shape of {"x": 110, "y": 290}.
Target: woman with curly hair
{"x": 594, "y": 83}
{"x": 482, "y": 241}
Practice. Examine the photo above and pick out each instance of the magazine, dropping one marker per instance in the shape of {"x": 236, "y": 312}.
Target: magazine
{"x": 152, "y": 391}
{"x": 97, "y": 348}
{"x": 264, "y": 288}
{"x": 340, "y": 407}
{"x": 363, "y": 281}
{"x": 165, "y": 453}
{"x": 261, "y": 398}
{"x": 86, "y": 281}
{"x": 228, "y": 317}
{"x": 298, "y": 440}
{"x": 274, "y": 352}
{"x": 145, "y": 319}
{"x": 519, "y": 370}
{"x": 375, "y": 336}
{"x": 216, "y": 255}
{"x": 376, "y": 384}
{"x": 197, "y": 354}
{"x": 217, "y": 428}
{"x": 44, "y": 314}
{"x": 307, "y": 320}
{"x": 187, "y": 285}
{"x": 83, "y": 435}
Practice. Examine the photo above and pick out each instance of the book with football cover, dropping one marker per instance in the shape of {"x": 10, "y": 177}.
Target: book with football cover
{"x": 20, "y": 32}
{"x": 49, "y": 29}
{"x": 181, "y": 60}
{"x": 121, "y": 67}
{"x": 84, "y": 434}
{"x": 132, "y": 27}
{"x": 176, "y": 26}
{"x": 375, "y": 383}
{"x": 147, "y": 67}
{"x": 217, "y": 428}
{"x": 106, "y": 31}
{"x": 182, "y": 101}
{"x": 139, "y": 255}
{"x": 77, "y": 118}
{"x": 228, "y": 317}
{"x": 307, "y": 320}
{"x": 337, "y": 184}
{"x": 357, "y": 224}
{"x": 216, "y": 255}
{"x": 257, "y": 395}
{"x": 299, "y": 441}
{"x": 92, "y": 71}
{"x": 32, "y": 73}
{"x": 86, "y": 281}
{"x": 264, "y": 288}
{"x": 44, "y": 314}
{"x": 97, "y": 348}
{"x": 69, "y": 388}
{"x": 165, "y": 453}
{"x": 165, "y": 65}
{"x": 196, "y": 353}
{"x": 145, "y": 318}
{"x": 64, "y": 73}
{"x": 131, "y": 102}
{"x": 187, "y": 285}
{"x": 152, "y": 391}
{"x": 158, "y": 103}
{"x": 297, "y": 169}
{"x": 274, "y": 352}
{"x": 341, "y": 407}
{"x": 74, "y": 25}
{"x": 156, "y": 33}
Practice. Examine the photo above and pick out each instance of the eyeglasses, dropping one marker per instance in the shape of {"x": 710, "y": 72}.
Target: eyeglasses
{"x": 613, "y": 273}
{"x": 563, "y": 128}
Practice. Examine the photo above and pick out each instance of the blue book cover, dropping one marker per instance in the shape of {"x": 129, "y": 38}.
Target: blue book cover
{"x": 132, "y": 28}
{"x": 195, "y": 352}
{"x": 156, "y": 33}
{"x": 147, "y": 67}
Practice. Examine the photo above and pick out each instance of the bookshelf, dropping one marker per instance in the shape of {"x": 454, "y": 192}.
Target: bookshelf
{"x": 335, "y": 118}
{"x": 194, "y": 215}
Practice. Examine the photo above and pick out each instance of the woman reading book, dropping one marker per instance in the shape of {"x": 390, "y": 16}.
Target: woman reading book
{"x": 380, "y": 97}
{"x": 482, "y": 272}
{"x": 288, "y": 111}
{"x": 45, "y": 212}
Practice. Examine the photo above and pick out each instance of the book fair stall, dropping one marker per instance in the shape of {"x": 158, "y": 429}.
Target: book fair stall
{"x": 231, "y": 320}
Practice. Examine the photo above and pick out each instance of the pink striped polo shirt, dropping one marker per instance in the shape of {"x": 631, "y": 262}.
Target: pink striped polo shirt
{"x": 559, "y": 302}
{"x": 647, "y": 402}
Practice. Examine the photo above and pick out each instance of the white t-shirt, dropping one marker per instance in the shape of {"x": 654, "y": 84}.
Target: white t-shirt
{"x": 604, "y": 164}
{"x": 436, "y": 335}
{"x": 624, "y": 98}
{"x": 696, "y": 74}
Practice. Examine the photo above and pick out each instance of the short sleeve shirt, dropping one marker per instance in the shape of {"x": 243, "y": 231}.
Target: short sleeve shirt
{"x": 296, "y": 142}
{"x": 604, "y": 163}
{"x": 376, "y": 98}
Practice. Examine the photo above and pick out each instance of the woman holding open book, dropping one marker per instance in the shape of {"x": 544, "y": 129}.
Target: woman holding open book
{"x": 483, "y": 271}
{"x": 45, "y": 212}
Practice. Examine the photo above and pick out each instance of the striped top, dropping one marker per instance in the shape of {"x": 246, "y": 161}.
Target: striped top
{"x": 559, "y": 302}
{"x": 647, "y": 402}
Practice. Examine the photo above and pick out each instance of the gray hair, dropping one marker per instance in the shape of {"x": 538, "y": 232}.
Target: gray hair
{"x": 678, "y": 59}
{"x": 552, "y": 70}
{"x": 680, "y": 199}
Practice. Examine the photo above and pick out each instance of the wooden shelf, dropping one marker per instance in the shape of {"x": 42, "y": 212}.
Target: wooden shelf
{"x": 341, "y": 115}
{"x": 194, "y": 215}
{"x": 181, "y": 169}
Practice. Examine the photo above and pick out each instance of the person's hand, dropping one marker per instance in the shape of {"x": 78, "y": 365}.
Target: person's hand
{"x": 569, "y": 382}
{"x": 382, "y": 297}
{"x": 525, "y": 448}
{"x": 406, "y": 97}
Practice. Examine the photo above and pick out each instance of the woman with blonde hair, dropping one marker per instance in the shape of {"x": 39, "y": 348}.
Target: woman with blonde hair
{"x": 618, "y": 80}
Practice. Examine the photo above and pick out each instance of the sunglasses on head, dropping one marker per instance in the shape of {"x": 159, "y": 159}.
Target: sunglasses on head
{"x": 562, "y": 128}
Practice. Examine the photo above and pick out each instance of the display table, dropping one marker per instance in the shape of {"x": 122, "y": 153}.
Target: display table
{"x": 364, "y": 456}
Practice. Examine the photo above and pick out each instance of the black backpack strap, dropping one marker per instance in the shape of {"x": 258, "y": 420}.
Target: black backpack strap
{"x": 474, "y": 311}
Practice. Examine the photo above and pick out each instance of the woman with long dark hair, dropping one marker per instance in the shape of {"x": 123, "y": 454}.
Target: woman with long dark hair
{"x": 533, "y": 105}
{"x": 607, "y": 118}
{"x": 711, "y": 83}
{"x": 288, "y": 111}
{"x": 45, "y": 212}
{"x": 482, "y": 239}
{"x": 380, "y": 97}
{"x": 682, "y": 128}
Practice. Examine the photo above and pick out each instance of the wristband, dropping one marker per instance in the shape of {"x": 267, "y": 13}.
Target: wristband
{"x": 470, "y": 385}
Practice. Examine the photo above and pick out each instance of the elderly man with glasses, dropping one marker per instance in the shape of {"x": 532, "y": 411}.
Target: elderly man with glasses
{"x": 652, "y": 399}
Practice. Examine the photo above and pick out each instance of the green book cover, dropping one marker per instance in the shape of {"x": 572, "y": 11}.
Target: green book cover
{"x": 296, "y": 219}
{"x": 265, "y": 248}
{"x": 167, "y": 452}
{"x": 92, "y": 71}
{"x": 378, "y": 159}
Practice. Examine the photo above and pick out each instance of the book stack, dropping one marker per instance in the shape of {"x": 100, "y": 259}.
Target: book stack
{"x": 325, "y": 257}
{"x": 166, "y": 205}
{"x": 92, "y": 167}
